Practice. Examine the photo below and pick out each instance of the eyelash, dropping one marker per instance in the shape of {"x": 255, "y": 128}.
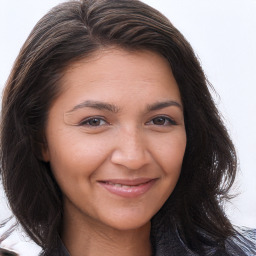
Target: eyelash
{"x": 167, "y": 121}
{"x": 86, "y": 121}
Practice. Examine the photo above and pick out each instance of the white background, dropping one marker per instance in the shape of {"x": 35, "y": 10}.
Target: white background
{"x": 223, "y": 35}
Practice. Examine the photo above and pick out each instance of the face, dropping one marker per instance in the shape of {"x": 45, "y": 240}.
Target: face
{"x": 116, "y": 138}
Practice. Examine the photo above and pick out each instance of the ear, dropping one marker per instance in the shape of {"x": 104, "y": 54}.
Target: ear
{"x": 40, "y": 149}
{"x": 41, "y": 152}
{"x": 45, "y": 153}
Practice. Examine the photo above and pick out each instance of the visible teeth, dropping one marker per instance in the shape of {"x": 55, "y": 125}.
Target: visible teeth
{"x": 120, "y": 185}
{"x": 123, "y": 186}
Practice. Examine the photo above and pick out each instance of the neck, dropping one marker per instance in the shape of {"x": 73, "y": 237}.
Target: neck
{"x": 93, "y": 239}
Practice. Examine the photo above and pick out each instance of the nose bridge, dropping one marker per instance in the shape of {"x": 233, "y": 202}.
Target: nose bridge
{"x": 131, "y": 149}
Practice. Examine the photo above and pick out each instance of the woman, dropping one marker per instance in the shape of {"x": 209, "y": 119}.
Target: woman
{"x": 108, "y": 122}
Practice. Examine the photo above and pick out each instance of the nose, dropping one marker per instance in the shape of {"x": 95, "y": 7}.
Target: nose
{"x": 131, "y": 150}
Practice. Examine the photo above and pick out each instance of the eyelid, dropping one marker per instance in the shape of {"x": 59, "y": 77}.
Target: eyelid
{"x": 168, "y": 118}
{"x": 83, "y": 121}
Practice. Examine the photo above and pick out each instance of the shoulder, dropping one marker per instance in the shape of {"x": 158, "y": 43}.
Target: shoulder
{"x": 60, "y": 251}
{"x": 242, "y": 243}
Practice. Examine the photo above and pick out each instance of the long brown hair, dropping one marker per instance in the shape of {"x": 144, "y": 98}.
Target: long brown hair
{"x": 74, "y": 30}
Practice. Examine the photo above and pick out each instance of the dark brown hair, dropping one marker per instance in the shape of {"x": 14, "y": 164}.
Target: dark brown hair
{"x": 74, "y": 30}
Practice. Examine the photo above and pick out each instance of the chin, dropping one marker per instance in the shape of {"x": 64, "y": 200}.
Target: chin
{"x": 128, "y": 220}
{"x": 129, "y": 225}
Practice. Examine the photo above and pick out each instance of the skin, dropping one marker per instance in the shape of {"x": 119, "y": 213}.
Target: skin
{"x": 119, "y": 116}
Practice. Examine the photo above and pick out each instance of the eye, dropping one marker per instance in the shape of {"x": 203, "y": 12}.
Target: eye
{"x": 162, "y": 121}
{"x": 93, "y": 121}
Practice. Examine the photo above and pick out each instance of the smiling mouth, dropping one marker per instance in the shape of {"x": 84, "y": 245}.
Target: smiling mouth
{"x": 128, "y": 188}
{"x": 123, "y": 185}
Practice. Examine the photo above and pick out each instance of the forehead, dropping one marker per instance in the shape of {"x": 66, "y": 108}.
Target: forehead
{"x": 116, "y": 73}
{"x": 116, "y": 63}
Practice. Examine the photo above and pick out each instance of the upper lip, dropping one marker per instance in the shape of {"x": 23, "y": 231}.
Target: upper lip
{"x": 128, "y": 182}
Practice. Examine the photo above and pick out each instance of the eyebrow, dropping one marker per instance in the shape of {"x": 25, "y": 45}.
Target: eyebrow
{"x": 113, "y": 108}
{"x": 164, "y": 104}
{"x": 97, "y": 105}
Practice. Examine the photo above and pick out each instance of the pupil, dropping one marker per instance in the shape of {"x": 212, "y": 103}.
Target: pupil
{"x": 159, "y": 121}
{"x": 94, "y": 122}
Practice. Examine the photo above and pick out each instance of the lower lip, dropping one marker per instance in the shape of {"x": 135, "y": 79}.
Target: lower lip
{"x": 129, "y": 192}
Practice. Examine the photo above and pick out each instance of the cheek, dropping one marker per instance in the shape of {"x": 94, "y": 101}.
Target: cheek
{"x": 170, "y": 152}
{"x": 73, "y": 156}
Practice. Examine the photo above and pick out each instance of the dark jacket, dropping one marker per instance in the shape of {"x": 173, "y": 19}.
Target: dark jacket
{"x": 241, "y": 245}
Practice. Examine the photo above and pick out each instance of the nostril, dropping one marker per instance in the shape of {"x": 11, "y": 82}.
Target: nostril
{"x": 130, "y": 149}
{"x": 132, "y": 161}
